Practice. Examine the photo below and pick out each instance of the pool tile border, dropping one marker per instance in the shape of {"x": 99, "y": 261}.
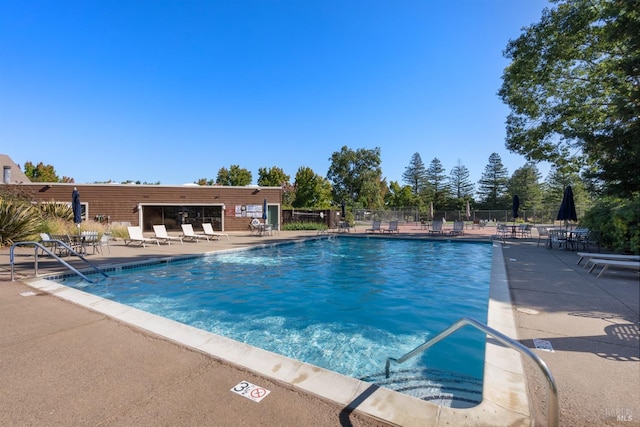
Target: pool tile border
{"x": 504, "y": 401}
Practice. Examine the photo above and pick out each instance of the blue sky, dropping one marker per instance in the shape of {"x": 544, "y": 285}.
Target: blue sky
{"x": 172, "y": 91}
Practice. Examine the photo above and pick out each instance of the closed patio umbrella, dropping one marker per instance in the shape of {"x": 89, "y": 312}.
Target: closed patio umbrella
{"x": 76, "y": 207}
{"x": 431, "y": 211}
{"x": 516, "y": 206}
{"x": 567, "y": 211}
{"x": 264, "y": 210}
{"x": 468, "y": 210}
{"x": 344, "y": 210}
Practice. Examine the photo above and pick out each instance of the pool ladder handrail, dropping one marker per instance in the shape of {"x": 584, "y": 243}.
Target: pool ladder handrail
{"x": 38, "y": 245}
{"x": 552, "y": 389}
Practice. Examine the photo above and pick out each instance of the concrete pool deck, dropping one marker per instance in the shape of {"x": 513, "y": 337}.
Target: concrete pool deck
{"x": 64, "y": 364}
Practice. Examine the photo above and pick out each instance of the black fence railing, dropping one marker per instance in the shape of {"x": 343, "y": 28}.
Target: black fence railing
{"x": 330, "y": 217}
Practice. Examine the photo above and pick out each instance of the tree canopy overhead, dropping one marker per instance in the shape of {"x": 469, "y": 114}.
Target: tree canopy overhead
{"x": 573, "y": 87}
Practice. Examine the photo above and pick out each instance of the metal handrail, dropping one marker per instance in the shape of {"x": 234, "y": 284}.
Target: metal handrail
{"x": 552, "y": 389}
{"x": 60, "y": 260}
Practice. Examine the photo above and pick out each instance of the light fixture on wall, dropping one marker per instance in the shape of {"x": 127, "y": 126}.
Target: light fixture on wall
{"x": 256, "y": 191}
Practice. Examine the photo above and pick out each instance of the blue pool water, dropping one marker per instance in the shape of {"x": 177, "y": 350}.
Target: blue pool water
{"x": 345, "y": 304}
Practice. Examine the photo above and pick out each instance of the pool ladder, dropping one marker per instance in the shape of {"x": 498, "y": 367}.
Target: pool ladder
{"x": 552, "y": 389}
{"x": 56, "y": 257}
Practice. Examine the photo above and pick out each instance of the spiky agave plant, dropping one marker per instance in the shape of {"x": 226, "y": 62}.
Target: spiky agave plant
{"x": 18, "y": 221}
{"x": 56, "y": 210}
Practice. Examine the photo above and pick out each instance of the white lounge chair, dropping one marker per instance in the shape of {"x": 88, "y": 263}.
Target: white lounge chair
{"x": 188, "y": 233}
{"x": 606, "y": 263}
{"x": 135, "y": 236}
{"x": 375, "y": 226}
{"x": 208, "y": 231}
{"x": 161, "y": 234}
{"x": 458, "y": 228}
{"x": 393, "y": 228}
{"x": 592, "y": 255}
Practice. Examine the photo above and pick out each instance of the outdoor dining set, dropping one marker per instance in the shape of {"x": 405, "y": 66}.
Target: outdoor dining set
{"x": 578, "y": 238}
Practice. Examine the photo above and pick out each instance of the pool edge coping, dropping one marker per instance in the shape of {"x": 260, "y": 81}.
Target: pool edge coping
{"x": 504, "y": 394}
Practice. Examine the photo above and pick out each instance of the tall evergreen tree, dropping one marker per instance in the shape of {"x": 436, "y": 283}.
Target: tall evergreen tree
{"x": 437, "y": 183}
{"x": 525, "y": 182}
{"x": 557, "y": 181}
{"x": 492, "y": 187}
{"x": 415, "y": 174}
{"x": 459, "y": 182}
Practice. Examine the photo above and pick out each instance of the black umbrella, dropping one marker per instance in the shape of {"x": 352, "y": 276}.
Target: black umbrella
{"x": 516, "y": 206}
{"x": 264, "y": 210}
{"x": 567, "y": 210}
{"x": 76, "y": 206}
{"x": 344, "y": 210}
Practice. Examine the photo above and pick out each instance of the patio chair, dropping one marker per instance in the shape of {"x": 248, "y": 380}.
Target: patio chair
{"x": 524, "y": 230}
{"x": 393, "y": 228}
{"x": 104, "y": 241}
{"x": 136, "y": 236}
{"x": 559, "y": 237}
{"x": 458, "y": 228}
{"x": 254, "y": 226}
{"x": 45, "y": 239}
{"x": 208, "y": 231}
{"x": 502, "y": 232}
{"x": 543, "y": 234}
{"x": 74, "y": 243}
{"x": 162, "y": 235}
{"x": 89, "y": 239}
{"x": 188, "y": 233}
{"x": 436, "y": 227}
{"x": 375, "y": 226}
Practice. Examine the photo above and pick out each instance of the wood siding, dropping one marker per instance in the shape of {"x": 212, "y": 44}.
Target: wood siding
{"x": 121, "y": 203}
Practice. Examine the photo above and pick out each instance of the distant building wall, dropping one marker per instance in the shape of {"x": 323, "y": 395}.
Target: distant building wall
{"x": 125, "y": 203}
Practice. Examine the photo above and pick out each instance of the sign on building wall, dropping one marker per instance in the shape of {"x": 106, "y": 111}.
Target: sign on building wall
{"x": 248, "y": 211}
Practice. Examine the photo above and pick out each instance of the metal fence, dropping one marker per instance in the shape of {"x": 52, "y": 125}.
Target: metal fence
{"x": 544, "y": 214}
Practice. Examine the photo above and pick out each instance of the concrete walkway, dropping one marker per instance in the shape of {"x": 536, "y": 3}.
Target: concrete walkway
{"x": 61, "y": 364}
{"x": 592, "y": 325}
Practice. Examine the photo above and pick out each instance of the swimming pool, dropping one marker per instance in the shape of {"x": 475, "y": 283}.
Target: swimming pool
{"x": 343, "y": 304}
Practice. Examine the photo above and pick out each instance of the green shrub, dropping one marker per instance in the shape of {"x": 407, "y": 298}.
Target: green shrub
{"x": 297, "y": 226}
{"x": 619, "y": 220}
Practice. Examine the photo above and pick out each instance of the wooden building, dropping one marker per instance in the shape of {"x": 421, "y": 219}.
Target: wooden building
{"x": 227, "y": 208}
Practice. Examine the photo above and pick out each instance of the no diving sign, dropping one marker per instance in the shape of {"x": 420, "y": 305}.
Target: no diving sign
{"x": 250, "y": 391}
